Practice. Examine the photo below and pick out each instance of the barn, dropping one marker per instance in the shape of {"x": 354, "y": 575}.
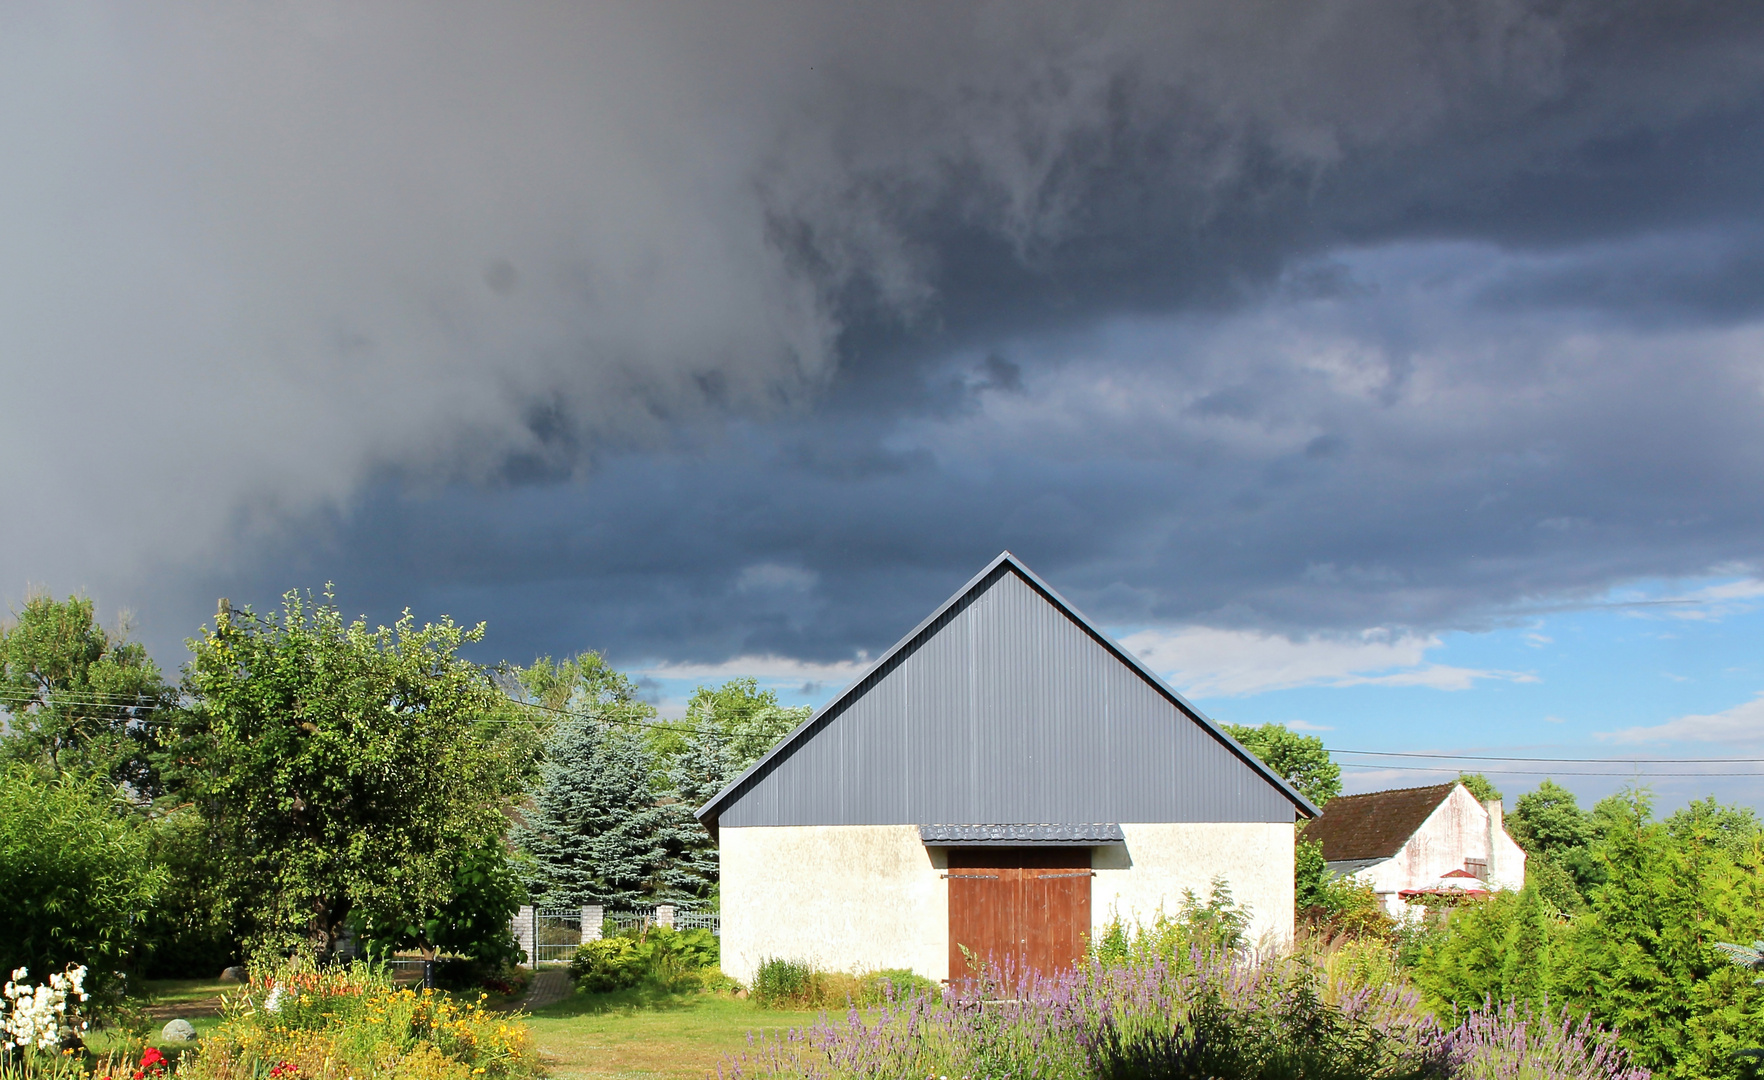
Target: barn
{"x": 1005, "y": 779}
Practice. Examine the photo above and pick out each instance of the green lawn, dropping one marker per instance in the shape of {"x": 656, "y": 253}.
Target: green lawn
{"x": 629, "y": 1035}
{"x": 641, "y": 1034}
{"x": 185, "y": 991}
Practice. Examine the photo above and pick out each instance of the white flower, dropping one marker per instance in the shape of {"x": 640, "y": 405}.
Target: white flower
{"x": 274, "y": 1002}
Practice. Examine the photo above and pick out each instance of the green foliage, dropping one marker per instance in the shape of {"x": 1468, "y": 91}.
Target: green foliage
{"x": 1507, "y": 947}
{"x": 729, "y": 729}
{"x": 1309, "y": 871}
{"x": 340, "y": 767}
{"x": 75, "y": 873}
{"x": 189, "y": 932}
{"x": 1292, "y": 1034}
{"x": 1300, "y": 759}
{"x": 1480, "y": 786}
{"x": 654, "y": 955}
{"x": 1640, "y": 956}
{"x": 78, "y": 698}
{"x": 1200, "y": 928}
{"x": 750, "y": 718}
{"x": 605, "y": 965}
{"x": 1560, "y": 839}
{"x": 1345, "y": 909}
{"x": 472, "y": 921}
{"x": 796, "y": 984}
{"x": 594, "y": 828}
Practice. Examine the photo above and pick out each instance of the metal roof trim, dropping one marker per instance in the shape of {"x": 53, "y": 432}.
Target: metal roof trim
{"x": 710, "y": 810}
{"x": 1021, "y": 835}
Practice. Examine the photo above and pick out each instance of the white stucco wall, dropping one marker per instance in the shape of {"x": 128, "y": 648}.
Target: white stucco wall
{"x": 1459, "y": 829}
{"x": 845, "y": 897}
{"x": 1160, "y": 861}
{"x": 865, "y": 897}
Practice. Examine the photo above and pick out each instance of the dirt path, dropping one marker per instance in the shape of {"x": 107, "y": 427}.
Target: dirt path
{"x": 548, "y": 987}
{"x": 184, "y": 1010}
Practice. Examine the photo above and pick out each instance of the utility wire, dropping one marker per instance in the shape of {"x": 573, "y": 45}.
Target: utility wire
{"x": 1544, "y": 772}
{"x": 1572, "y": 760}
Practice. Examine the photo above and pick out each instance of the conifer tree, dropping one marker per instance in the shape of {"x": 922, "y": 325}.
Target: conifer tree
{"x": 594, "y": 831}
{"x": 700, "y": 769}
{"x": 727, "y": 729}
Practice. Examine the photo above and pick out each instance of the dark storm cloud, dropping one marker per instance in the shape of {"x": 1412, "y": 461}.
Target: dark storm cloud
{"x": 575, "y": 317}
{"x": 1393, "y": 454}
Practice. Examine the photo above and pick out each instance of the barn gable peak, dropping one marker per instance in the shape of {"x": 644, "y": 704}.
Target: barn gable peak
{"x": 1006, "y": 706}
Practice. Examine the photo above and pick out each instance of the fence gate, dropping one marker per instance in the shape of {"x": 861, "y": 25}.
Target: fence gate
{"x": 557, "y": 933}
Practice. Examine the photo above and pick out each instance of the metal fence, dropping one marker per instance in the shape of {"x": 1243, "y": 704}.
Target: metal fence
{"x": 699, "y": 920}
{"x": 552, "y": 935}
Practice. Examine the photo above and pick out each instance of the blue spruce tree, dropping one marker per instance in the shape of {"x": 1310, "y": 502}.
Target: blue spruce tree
{"x": 595, "y": 827}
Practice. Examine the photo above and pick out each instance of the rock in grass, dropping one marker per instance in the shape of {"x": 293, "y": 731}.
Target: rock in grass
{"x": 233, "y": 974}
{"x": 178, "y": 1031}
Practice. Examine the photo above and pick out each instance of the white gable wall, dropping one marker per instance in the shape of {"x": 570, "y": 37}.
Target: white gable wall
{"x": 871, "y": 897}
{"x": 1457, "y": 830}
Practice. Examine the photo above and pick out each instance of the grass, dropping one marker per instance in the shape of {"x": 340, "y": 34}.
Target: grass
{"x": 631, "y": 1034}
{"x": 175, "y": 991}
{"x": 640, "y": 1034}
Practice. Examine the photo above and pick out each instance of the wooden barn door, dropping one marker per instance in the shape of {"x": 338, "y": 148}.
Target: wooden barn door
{"x": 1018, "y": 909}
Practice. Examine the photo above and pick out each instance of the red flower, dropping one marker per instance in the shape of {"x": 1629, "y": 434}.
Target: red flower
{"x": 152, "y": 1057}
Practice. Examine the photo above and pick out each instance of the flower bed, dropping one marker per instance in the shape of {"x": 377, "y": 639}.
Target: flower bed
{"x": 353, "y": 1024}
{"x": 1201, "y": 1018}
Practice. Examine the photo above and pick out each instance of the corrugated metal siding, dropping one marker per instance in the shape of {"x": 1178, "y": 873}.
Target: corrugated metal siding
{"x": 1005, "y": 710}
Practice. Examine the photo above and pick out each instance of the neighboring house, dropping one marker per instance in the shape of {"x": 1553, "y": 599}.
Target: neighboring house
{"x": 1419, "y": 840}
{"x": 1004, "y": 778}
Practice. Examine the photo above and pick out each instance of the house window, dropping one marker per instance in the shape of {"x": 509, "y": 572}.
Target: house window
{"x": 1479, "y": 867}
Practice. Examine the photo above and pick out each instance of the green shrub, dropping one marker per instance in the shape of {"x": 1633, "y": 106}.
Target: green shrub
{"x": 782, "y": 984}
{"x": 1201, "y": 928}
{"x": 606, "y": 965}
{"x": 75, "y": 876}
{"x": 656, "y": 955}
{"x": 795, "y": 984}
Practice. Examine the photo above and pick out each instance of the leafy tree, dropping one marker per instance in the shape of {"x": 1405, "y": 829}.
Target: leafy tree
{"x": 189, "y": 933}
{"x": 1549, "y": 821}
{"x": 1480, "y": 786}
{"x": 74, "y": 874}
{"x": 1300, "y": 759}
{"x": 79, "y": 698}
{"x": 1559, "y": 837}
{"x": 340, "y": 767}
{"x": 1733, "y": 829}
{"x": 750, "y": 718}
{"x": 473, "y": 921}
{"x": 593, "y": 829}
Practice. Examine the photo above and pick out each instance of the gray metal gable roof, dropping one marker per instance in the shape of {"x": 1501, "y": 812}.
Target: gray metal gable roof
{"x": 1006, "y": 705}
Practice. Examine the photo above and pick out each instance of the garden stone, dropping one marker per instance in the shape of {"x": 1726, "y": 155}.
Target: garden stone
{"x": 178, "y": 1031}
{"x": 233, "y": 974}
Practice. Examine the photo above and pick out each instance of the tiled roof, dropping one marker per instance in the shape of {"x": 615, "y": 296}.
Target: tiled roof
{"x": 1374, "y": 825}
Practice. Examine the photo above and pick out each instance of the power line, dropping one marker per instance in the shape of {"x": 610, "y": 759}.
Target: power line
{"x": 1571, "y": 760}
{"x": 1549, "y": 772}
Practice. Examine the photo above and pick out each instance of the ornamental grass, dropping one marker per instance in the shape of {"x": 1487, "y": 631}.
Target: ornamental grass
{"x": 302, "y": 1023}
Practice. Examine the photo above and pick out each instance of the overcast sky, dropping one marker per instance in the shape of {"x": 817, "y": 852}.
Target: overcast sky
{"x": 1393, "y": 368}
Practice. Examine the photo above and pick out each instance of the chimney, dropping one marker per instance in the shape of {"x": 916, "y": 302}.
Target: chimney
{"x": 1497, "y": 831}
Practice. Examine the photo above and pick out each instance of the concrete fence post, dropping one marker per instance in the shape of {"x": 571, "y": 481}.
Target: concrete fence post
{"x": 664, "y": 915}
{"x": 523, "y": 932}
{"x": 593, "y": 919}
